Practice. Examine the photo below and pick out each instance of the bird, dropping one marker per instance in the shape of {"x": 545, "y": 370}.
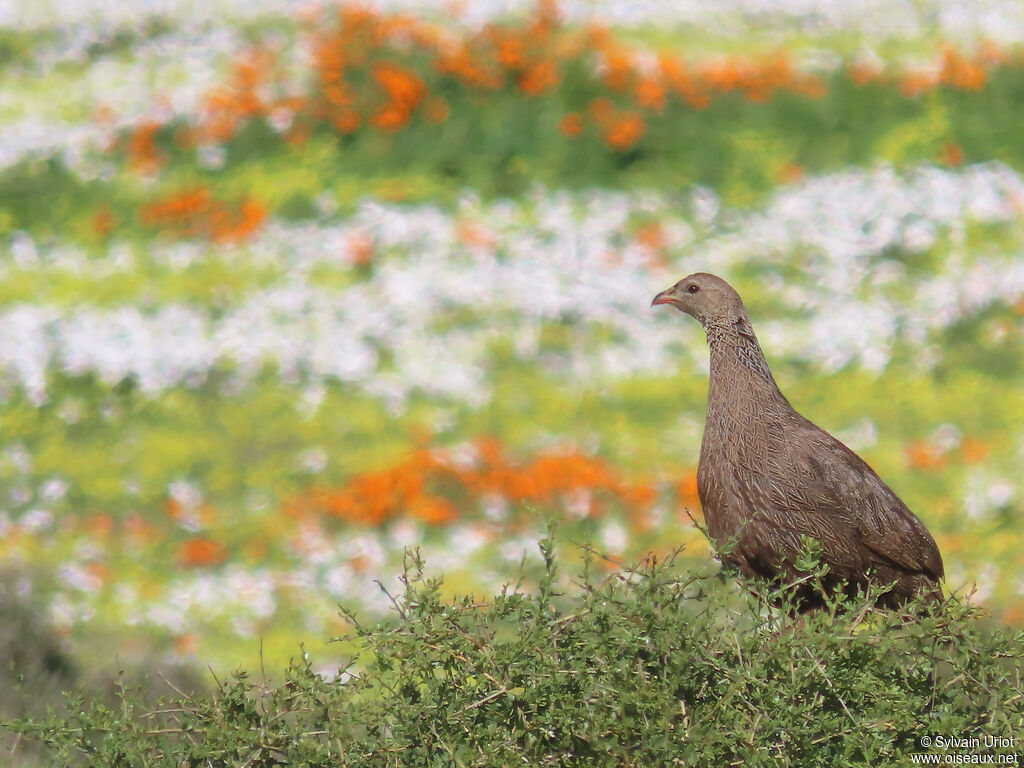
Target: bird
{"x": 772, "y": 484}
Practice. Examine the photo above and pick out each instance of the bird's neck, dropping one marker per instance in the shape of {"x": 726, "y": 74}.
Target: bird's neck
{"x": 739, "y": 371}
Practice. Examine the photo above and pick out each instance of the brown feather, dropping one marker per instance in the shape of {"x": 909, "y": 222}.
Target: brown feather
{"x": 768, "y": 477}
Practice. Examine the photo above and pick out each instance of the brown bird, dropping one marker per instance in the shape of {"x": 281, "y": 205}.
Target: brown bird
{"x": 769, "y": 479}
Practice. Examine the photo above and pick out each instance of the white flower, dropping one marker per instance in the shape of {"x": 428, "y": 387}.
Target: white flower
{"x": 36, "y": 520}
{"x": 614, "y": 536}
{"x": 53, "y": 489}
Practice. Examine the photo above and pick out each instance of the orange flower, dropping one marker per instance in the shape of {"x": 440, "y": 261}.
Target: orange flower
{"x": 673, "y": 71}
{"x": 390, "y": 118}
{"x": 545, "y": 18}
{"x": 950, "y": 154}
{"x": 598, "y": 36}
{"x": 360, "y": 249}
{"x": 473, "y": 235}
{"x": 921, "y": 455}
{"x": 355, "y": 45}
{"x": 355, "y": 18}
{"x": 510, "y": 53}
{"x": 571, "y": 124}
{"x": 618, "y": 70}
{"x": 490, "y": 451}
{"x": 973, "y": 450}
{"x": 723, "y": 75}
{"x": 143, "y": 156}
{"x": 651, "y": 235}
{"x": 433, "y": 511}
{"x": 403, "y": 86}
{"x": 790, "y": 173}
{"x": 194, "y": 212}
{"x": 625, "y": 131}
{"x": 346, "y": 121}
{"x": 329, "y": 58}
{"x": 686, "y": 490}
{"x": 174, "y": 509}
{"x": 639, "y": 496}
{"x": 539, "y": 77}
{"x": 338, "y": 93}
{"x": 461, "y": 63}
{"x": 181, "y": 210}
{"x": 433, "y": 489}
{"x": 199, "y": 551}
{"x": 253, "y": 67}
{"x": 226, "y": 228}
{"x": 990, "y": 54}
{"x": 650, "y": 93}
{"x": 960, "y": 72}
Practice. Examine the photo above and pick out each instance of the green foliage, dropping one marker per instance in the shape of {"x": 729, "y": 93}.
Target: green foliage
{"x": 38, "y": 667}
{"x": 738, "y": 147}
{"x": 33, "y": 659}
{"x": 653, "y": 665}
{"x": 24, "y": 184}
{"x": 15, "y": 48}
{"x": 659, "y": 660}
{"x": 99, "y": 440}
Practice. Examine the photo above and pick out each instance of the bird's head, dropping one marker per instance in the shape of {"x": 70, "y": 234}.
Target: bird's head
{"x": 705, "y": 297}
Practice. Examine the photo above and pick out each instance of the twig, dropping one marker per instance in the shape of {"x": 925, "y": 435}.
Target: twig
{"x": 824, "y": 674}
{"x": 391, "y": 597}
{"x": 485, "y": 699}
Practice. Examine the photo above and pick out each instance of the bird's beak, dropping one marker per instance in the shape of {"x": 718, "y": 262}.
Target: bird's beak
{"x": 665, "y": 297}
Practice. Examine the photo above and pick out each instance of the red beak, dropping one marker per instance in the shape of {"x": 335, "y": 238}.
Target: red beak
{"x": 665, "y": 297}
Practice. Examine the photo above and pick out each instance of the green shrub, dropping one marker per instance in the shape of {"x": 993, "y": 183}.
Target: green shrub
{"x": 653, "y": 665}
{"x": 39, "y": 663}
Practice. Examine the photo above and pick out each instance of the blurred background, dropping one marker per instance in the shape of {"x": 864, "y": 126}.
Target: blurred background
{"x": 286, "y": 289}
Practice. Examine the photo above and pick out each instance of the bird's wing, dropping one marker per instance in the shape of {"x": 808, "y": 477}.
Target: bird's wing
{"x": 839, "y": 484}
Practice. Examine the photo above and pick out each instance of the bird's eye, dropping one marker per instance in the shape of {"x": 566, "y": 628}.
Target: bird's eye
{"x": 692, "y": 288}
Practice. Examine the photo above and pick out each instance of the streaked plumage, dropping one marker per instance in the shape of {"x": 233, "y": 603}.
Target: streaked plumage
{"x": 768, "y": 476}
